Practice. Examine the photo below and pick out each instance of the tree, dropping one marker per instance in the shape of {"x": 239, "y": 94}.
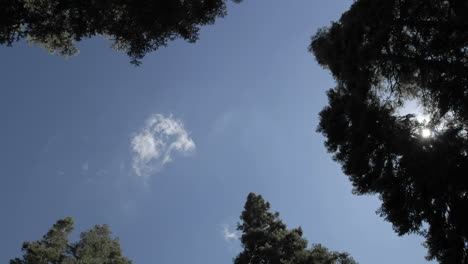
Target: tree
{"x": 266, "y": 240}
{"x": 134, "y": 27}
{"x": 95, "y": 247}
{"x": 382, "y": 54}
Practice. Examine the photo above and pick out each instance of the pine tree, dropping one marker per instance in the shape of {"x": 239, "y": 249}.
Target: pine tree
{"x": 266, "y": 240}
{"x": 383, "y": 54}
{"x": 95, "y": 247}
{"x": 134, "y": 27}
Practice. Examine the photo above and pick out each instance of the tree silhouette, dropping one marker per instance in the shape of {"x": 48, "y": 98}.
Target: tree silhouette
{"x": 135, "y": 27}
{"x": 266, "y": 240}
{"x": 383, "y": 54}
{"x": 95, "y": 247}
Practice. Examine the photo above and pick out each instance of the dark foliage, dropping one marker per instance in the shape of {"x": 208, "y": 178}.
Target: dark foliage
{"x": 95, "y": 247}
{"x": 382, "y": 54}
{"x": 267, "y": 240}
{"x": 134, "y": 26}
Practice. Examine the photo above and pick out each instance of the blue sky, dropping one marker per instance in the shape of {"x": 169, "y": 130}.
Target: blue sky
{"x": 235, "y": 113}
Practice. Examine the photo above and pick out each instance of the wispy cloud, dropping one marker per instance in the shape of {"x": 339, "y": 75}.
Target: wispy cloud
{"x": 102, "y": 172}
{"x": 224, "y": 120}
{"x": 228, "y": 234}
{"x": 156, "y": 143}
{"x": 85, "y": 166}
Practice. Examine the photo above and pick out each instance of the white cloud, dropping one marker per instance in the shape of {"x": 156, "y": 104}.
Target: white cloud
{"x": 156, "y": 143}
{"x": 228, "y": 234}
{"x": 85, "y": 166}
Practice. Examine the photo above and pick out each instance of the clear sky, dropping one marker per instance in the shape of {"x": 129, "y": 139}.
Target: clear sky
{"x": 166, "y": 153}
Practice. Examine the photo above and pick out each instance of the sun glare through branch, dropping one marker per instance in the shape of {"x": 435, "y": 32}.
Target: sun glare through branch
{"x": 426, "y": 132}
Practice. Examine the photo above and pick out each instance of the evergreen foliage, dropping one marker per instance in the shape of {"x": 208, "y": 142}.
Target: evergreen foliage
{"x": 266, "y": 240}
{"x": 95, "y": 247}
{"x": 383, "y": 54}
{"x": 135, "y": 27}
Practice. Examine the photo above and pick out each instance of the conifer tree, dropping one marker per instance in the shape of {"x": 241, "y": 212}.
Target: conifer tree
{"x": 266, "y": 240}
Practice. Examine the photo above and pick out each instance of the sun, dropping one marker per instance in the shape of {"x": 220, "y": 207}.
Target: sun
{"x": 426, "y": 132}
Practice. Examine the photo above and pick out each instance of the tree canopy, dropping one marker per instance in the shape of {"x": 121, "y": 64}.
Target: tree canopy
{"x": 134, "y": 27}
{"x": 266, "y": 239}
{"x": 382, "y": 54}
{"x": 95, "y": 247}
